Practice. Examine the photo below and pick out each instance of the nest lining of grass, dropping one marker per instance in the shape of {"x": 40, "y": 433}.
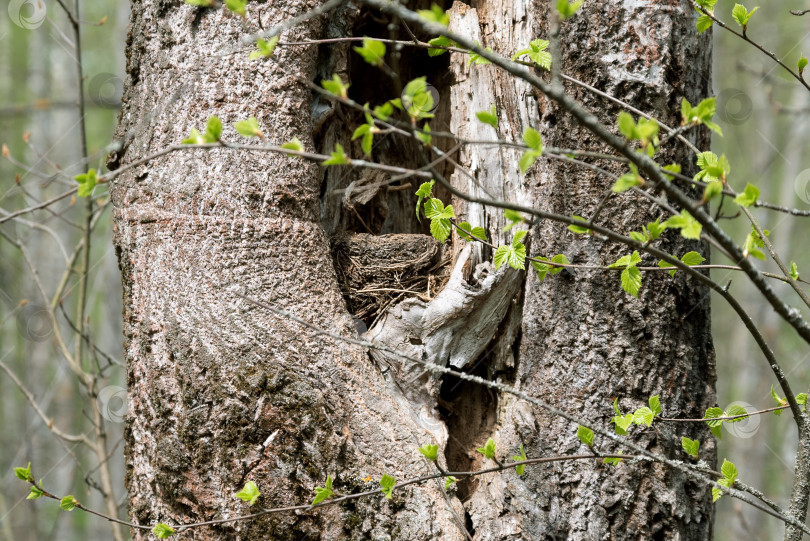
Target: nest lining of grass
{"x": 377, "y": 271}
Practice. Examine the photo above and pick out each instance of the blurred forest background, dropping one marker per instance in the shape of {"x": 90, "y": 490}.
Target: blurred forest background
{"x": 763, "y": 114}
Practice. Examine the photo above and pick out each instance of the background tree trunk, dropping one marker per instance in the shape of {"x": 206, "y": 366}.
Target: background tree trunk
{"x": 221, "y": 392}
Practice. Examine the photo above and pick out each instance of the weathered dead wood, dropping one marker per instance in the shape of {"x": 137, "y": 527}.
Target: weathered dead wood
{"x": 453, "y": 329}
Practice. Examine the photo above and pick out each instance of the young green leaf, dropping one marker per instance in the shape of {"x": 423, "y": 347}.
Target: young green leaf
{"x": 638, "y": 236}
{"x": 537, "y": 53}
{"x": 664, "y": 265}
{"x": 417, "y": 100}
{"x": 690, "y": 228}
{"x": 366, "y": 131}
{"x": 692, "y": 258}
{"x": 704, "y": 22}
{"x": 201, "y": 3}
{"x": 440, "y": 228}
{"x": 449, "y": 481}
{"x": 801, "y": 64}
{"x": 372, "y": 51}
{"x": 712, "y": 190}
{"x": 578, "y": 229}
{"x": 559, "y": 258}
{"x": 779, "y": 401}
{"x": 742, "y": 15}
{"x": 35, "y": 493}
{"x": 585, "y": 435}
{"x": 424, "y": 191}
{"x": 338, "y": 157}
{"x": 384, "y": 111}
{"x": 264, "y": 48}
{"x": 612, "y": 461}
{"x": 622, "y": 423}
{"x": 534, "y": 141}
{"x": 439, "y": 215}
{"x": 513, "y": 254}
{"x": 213, "y": 129}
{"x": 441, "y": 41}
{"x": 424, "y": 135}
{"x": 527, "y": 159}
{"x": 752, "y": 244}
{"x": 626, "y": 124}
{"x": 469, "y": 233}
{"x": 430, "y": 451}
{"x": 712, "y": 167}
{"x": 488, "y": 117}
{"x": 631, "y": 276}
{"x": 627, "y": 181}
{"x": 735, "y": 410}
{"x": 387, "y": 485}
{"x": 643, "y": 416}
{"x": 249, "y": 493}
{"x": 801, "y": 399}
{"x": 68, "y": 503}
{"x": 646, "y": 131}
{"x": 514, "y": 218}
{"x": 794, "y": 270}
{"x": 336, "y": 86}
{"x": 477, "y": 59}
{"x": 686, "y": 112}
{"x": 249, "y": 128}
{"x": 690, "y": 446}
{"x": 715, "y": 425}
{"x": 321, "y": 493}
{"x": 237, "y": 6}
{"x": 295, "y": 144}
{"x": 672, "y": 168}
{"x": 656, "y": 228}
{"x": 567, "y": 9}
{"x": 627, "y": 260}
{"x": 24, "y": 474}
{"x": 748, "y": 197}
{"x": 655, "y": 404}
{"x": 194, "y": 138}
{"x": 163, "y": 531}
{"x": 729, "y": 471}
{"x": 541, "y": 268}
{"x": 435, "y": 15}
{"x": 689, "y": 258}
{"x": 519, "y": 458}
{"x": 488, "y": 450}
{"x": 87, "y": 182}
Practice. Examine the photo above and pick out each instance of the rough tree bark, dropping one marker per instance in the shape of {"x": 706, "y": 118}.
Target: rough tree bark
{"x": 584, "y": 342}
{"x": 221, "y": 392}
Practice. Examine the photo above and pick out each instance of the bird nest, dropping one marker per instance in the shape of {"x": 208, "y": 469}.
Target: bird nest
{"x": 376, "y": 271}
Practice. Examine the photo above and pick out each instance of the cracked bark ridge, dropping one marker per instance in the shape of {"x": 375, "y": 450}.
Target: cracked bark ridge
{"x": 221, "y": 392}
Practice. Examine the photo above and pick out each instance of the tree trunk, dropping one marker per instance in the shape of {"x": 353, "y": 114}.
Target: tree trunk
{"x": 583, "y": 341}
{"x": 222, "y": 392}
